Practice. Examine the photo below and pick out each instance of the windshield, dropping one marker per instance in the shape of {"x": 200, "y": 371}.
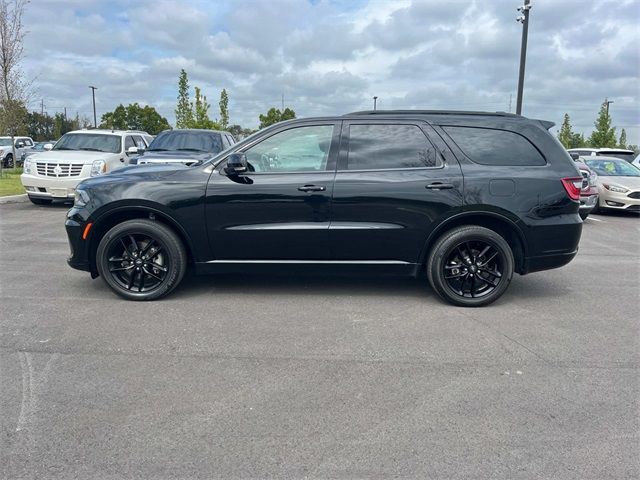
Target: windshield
{"x": 92, "y": 142}
{"x": 628, "y": 156}
{"x": 613, "y": 168}
{"x": 5, "y": 142}
{"x": 187, "y": 141}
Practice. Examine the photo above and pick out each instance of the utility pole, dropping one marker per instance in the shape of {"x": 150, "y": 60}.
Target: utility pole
{"x": 93, "y": 92}
{"x": 510, "y": 98}
{"x": 283, "y": 101}
{"x": 42, "y": 107}
{"x": 375, "y": 102}
{"x": 607, "y": 101}
{"x": 524, "y": 19}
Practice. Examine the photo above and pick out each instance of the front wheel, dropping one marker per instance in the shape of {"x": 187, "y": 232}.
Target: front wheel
{"x": 8, "y": 161}
{"x": 141, "y": 259}
{"x": 470, "y": 266}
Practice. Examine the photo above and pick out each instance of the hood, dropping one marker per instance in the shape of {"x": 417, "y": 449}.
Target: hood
{"x": 70, "y": 156}
{"x": 632, "y": 183}
{"x": 174, "y": 156}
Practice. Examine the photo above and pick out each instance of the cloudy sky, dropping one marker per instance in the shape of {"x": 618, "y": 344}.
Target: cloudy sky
{"x": 332, "y": 57}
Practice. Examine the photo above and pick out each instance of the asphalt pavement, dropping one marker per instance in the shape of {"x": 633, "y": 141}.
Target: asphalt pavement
{"x": 300, "y": 377}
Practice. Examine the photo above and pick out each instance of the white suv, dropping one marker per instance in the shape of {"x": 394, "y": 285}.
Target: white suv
{"x": 76, "y": 156}
{"x": 6, "y": 150}
{"x": 621, "y": 153}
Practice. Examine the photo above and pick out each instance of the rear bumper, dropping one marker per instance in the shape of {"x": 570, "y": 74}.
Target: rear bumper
{"x": 547, "y": 262}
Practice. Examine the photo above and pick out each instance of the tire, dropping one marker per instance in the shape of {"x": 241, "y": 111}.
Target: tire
{"x": 487, "y": 276}
{"x": 157, "y": 262}
{"x": 8, "y": 161}
{"x": 40, "y": 201}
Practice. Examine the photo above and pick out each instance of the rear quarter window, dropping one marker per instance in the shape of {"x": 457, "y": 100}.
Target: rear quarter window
{"x": 488, "y": 146}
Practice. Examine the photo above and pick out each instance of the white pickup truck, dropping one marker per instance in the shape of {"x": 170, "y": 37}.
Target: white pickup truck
{"x": 78, "y": 155}
{"x": 6, "y": 151}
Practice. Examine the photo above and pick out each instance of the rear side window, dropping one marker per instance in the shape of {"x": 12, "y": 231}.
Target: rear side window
{"x": 495, "y": 147}
{"x": 374, "y": 147}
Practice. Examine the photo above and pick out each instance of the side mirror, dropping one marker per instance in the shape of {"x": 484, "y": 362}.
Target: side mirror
{"x": 132, "y": 150}
{"x": 574, "y": 156}
{"x": 236, "y": 164}
{"x": 48, "y": 146}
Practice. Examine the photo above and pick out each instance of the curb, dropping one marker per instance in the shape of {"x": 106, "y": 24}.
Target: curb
{"x": 14, "y": 199}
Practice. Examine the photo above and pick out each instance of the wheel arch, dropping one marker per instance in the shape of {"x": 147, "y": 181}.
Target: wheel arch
{"x": 112, "y": 217}
{"x": 497, "y": 222}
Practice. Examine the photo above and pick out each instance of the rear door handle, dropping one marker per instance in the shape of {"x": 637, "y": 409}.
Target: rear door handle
{"x": 439, "y": 186}
{"x": 312, "y": 188}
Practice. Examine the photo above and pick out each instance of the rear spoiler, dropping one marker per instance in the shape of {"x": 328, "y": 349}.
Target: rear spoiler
{"x": 547, "y": 124}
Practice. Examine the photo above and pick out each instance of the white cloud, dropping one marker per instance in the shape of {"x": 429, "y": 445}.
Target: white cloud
{"x": 332, "y": 57}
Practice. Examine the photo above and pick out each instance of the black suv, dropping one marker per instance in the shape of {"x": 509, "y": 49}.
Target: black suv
{"x": 187, "y": 146}
{"x": 468, "y": 197}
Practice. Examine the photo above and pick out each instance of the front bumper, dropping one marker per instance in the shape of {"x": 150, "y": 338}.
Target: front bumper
{"x": 588, "y": 202}
{"x": 75, "y": 225}
{"x": 50, "y": 187}
{"x": 619, "y": 201}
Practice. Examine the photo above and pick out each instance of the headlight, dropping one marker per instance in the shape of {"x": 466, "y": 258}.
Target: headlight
{"x": 81, "y": 198}
{"x": 26, "y": 168}
{"x": 613, "y": 188}
{"x": 98, "y": 167}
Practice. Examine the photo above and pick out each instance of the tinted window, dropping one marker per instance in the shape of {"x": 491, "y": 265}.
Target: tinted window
{"x": 389, "y": 146}
{"x": 93, "y": 142}
{"x": 622, "y": 155}
{"x": 188, "y": 140}
{"x": 495, "y": 147}
{"x": 301, "y": 149}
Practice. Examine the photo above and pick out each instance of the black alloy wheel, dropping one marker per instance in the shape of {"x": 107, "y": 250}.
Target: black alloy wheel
{"x": 470, "y": 266}
{"x": 141, "y": 259}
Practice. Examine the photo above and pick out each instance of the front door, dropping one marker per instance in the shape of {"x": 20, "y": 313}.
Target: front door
{"x": 279, "y": 209}
{"x": 392, "y": 185}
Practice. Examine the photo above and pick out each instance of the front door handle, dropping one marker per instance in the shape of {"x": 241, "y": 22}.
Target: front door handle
{"x": 312, "y": 188}
{"x": 439, "y": 186}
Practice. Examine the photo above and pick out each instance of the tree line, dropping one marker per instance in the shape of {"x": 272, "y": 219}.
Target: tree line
{"x": 603, "y": 136}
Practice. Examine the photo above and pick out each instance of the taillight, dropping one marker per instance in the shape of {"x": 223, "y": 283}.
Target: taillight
{"x": 572, "y": 185}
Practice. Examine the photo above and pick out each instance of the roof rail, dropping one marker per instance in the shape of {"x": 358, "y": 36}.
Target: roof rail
{"x": 430, "y": 112}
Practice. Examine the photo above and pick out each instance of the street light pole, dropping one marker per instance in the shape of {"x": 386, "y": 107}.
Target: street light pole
{"x": 375, "y": 102}
{"x": 93, "y": 93}
{"x": 607, "y": 101}
{"x": 524, "y": 19}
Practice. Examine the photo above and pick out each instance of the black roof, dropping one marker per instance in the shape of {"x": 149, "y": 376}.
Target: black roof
{"x": 431, "y": 112}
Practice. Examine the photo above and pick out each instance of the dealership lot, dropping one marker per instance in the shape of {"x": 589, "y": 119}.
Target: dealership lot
{"x": 317, "y": 377}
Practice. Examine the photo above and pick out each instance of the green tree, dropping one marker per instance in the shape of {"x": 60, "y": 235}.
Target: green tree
{"x": 565, "y": 134}
{"x": 274, "y": 115}
{"x": 604, "y": 135}
{"x": 184, "y": 111}
{"x": 622, "y": 143}
{"x": 577, "y": 140}
{"x": 201, "y": 112}
{"x": 238, "y": 132}
{"x": 224, "y": 109}
{"x": 135, "y": 117}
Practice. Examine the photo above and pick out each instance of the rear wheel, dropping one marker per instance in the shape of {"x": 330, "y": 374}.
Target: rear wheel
{"x": 141, "y": 259}
{"x": 40, "y": 201}
{"x": 8, "y": 161}
{"x": 470, "y": 266}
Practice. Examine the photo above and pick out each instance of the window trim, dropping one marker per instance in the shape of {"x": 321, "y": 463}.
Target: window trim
{"x": 464, "y": 154}
{"x": 343, "y": 160}
{"x": 331, "y": 163}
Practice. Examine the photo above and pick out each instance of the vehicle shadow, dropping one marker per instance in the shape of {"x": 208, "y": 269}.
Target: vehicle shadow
{"x": 288, "y": 285}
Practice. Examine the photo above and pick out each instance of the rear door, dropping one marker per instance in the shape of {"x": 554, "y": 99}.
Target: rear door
{"x": 393, "y": 183}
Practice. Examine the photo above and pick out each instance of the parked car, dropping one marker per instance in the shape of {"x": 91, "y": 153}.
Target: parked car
{"x": 184, "y": 146}
{"x": 376, "y": 192}
{"x": 622, "y": 153}
{"x": 38, "y": 147}
{"x": 618, "y": 184}
{"x": 77, "y": 155}
{"x": 589, "y": 191}
{"x": 22, "y": 144}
